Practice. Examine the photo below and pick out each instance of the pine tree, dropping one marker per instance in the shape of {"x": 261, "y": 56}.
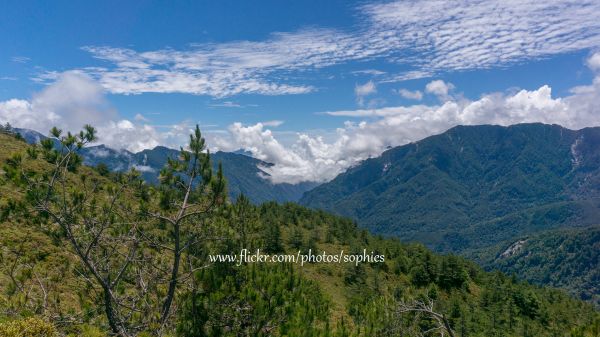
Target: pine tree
{"x": 273, "y": 238}
{"x": 296, "y": 240}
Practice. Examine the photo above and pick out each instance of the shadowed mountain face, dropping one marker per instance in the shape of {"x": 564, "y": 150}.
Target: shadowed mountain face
{"x": 473, "y": 186}
{"x": 241, "y": 171}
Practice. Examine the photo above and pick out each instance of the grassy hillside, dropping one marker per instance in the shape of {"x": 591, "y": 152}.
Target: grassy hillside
{"x": 40, "y": 276}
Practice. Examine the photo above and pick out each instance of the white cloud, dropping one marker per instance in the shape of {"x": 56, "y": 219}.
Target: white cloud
{"x": 439, "y": 88}
{"x": 74, "y": 100}
{"x": 226, "y": 104}
{"x": 371, "y": 72}
{"x": 363, "y": 90}
{"x": 273, "y": 123}
{"x": 140, "y": 118}
{"x": 69, "y": 103}
{"x": 472, "y": 34}
{"x": 99, "y": 152}
{"x": 416, "y": 95}
{"x": 125, "y": 134}
{"x": 594, "y": 62}
{"x": 223, "y": 69}
{"x": 428, "y": 37}
{"x": 144, "y": 168}
{"x": 20, "y": 59}
{"x": 311, "y": 158}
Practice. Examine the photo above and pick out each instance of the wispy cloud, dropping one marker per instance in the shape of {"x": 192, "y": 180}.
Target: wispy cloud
{"x": 20, "y": 59}
{"x": 273, "y": 123}
{"x": 226, "y": 104}
{"x": 426, "y": 37}
{"x": 416, "y": 94}
{"x": 371, "y": 72}
{"x": 223, "y": 69}
{"x": 230, "y": 104}
{"x": 363, "y": 90}
{"x": 474, "y": 34}
{"x": 75, "y": 99}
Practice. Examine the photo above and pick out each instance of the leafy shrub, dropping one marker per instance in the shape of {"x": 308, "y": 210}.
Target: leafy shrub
{"x": 28, "y": 327}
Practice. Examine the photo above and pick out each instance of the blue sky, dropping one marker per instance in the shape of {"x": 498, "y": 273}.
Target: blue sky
{"x": 312, "y": 86}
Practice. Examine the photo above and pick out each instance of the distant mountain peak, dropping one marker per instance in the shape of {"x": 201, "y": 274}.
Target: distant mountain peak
{"x": 243, "y": 152}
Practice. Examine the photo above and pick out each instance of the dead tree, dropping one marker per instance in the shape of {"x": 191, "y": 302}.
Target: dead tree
{"x": 425, "y": 308}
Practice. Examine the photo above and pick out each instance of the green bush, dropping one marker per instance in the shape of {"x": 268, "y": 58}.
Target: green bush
{"x": 28, "y": 327}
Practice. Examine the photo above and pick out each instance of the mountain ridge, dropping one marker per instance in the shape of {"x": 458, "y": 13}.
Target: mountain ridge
{"x": 243, "y": 172}
{"x": 471, "y": 175}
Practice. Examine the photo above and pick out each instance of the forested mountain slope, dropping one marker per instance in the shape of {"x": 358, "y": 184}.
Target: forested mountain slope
{"x": 473, "y": 186}
{"x": 40, "y": 275}
{"x": 564, "y": 258}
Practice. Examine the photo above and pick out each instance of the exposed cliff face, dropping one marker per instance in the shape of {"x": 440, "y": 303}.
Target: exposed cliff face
{"x": 565, "y": 258}
{"x": 513, "y": 249}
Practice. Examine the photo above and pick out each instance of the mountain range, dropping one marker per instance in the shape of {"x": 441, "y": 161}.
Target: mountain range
{"x": 523, "y": 199}
{"x": 243, "y": 172}
{"x": 473, "y": 186}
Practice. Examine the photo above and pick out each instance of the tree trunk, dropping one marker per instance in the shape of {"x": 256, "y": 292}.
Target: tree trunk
{"x": 110, "y": 315}
{"x": 174, "y": 275}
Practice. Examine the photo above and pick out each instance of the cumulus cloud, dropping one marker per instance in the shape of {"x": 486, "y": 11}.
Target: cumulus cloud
{"x": 425, "y": 37}
{"x": 140, "y": 118}
{"x": 594, "y": 62}
{"x": 74, "y": 100}
{"x": 70, "y": 102}
{"x": 416, "y": 95}
{"x": 311, "y": 158}
{"x": 439, "y": 88}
